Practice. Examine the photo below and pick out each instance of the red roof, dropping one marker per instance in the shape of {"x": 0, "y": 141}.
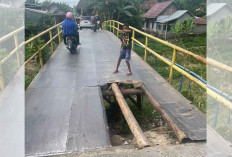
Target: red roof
{"x": 148, "y": 4}
{"x": 199, "y": 21}
{"x": 157, "y": 9}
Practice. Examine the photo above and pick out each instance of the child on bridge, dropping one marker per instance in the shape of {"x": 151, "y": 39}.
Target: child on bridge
{"x": 125, "y": 50}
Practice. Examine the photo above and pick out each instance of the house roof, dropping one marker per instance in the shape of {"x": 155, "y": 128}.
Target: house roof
{"x": 148, "y": 4}
{"x": 157, "y": 9}
{"x": 215, "y": 7}
{"x": 200, "y": 21}
{"x": 36, "y": 11}
{"x": 174, "y": 16}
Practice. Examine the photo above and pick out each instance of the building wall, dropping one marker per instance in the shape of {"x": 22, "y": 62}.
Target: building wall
{"x": 201, "y": 29}
{"x": 185, "y": 17}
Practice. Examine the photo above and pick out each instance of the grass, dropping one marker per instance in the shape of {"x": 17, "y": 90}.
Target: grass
{"x": 147, "y": 118}
{"x": 197, "y": 45}
{"x": 222, "y": 126}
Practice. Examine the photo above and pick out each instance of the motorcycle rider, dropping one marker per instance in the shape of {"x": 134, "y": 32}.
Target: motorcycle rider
{"x": 93, "y": 19}
{"x": 70, "y": 28}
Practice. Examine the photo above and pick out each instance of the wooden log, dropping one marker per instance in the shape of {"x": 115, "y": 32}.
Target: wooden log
{"x": 179, "y": 133}
{"x": 123, "y": 91}
{"x": 141, "y": 139}
{"x": 138, "y": 103}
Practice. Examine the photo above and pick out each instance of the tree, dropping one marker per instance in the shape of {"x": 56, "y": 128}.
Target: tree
{"x": 197, "y": 7}
{"x": 121, "y": 10}
{"x": 177, "y": 29}
{"x": 32, "y": 1}
{"x": 188, "y": 26}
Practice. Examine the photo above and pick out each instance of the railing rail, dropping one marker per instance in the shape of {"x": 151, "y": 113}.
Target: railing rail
{"x": 14, "y": 35}
{"x": 18, "y": 46}
{"x": 39, "y": 51}
{"x": 172, "y": 64}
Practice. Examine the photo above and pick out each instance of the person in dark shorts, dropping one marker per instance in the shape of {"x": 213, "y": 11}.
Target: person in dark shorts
{"x": 125, "y": 50}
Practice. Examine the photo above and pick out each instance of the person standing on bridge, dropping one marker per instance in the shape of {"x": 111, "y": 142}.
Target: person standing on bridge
{"x": 70, "y": 28}
{"x": 125, "y": 50}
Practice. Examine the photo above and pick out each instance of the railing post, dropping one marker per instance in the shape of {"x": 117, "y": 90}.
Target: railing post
{"x": 113, "y": 26}
{"x": 118, "y": 29}
{"x": 173, "y": 63}
{"x": 58, "y": 30}
{"x": 146, "y": 44}
{"x": 40, "y": 57}
{"x": 110, "y": 26}
{"x": 17, "y": 47}
{"x": 133, "y": 37}
{"x": 50, "y": 34}
{"x": 1, "y": 78}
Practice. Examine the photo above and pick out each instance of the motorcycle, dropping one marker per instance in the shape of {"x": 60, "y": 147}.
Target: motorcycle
{"x": 71, "y": 44}
{"x": 98, "y": 25}
{"x": 95, "y": 27}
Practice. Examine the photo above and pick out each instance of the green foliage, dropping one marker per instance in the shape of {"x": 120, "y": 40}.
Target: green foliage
{"x": 177, "y": 29}
{"x": 44, "y": 23}
{"x": 32, "y": 1}
{"x": 183, "y": 27}
{"x": 188, "y": 26}
{"x": 125, "y": 11}
{"x": 196, "y": 94}
{"x": 196, "y": 7}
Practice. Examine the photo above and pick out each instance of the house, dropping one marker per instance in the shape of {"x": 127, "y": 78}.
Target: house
{"x": 217, "y": 11}
{"x": 164, "y": 24}
{"x": 200, "y": 27}
{"x": 33, "y": 15}
{"x": 159, "y": 9}
{"x": 147, "y": 5}
{"x": 59, "y": 14}
{"x": 81, "y": 9}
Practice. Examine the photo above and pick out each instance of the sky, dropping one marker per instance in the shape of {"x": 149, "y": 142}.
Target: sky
{"x": 70, "y": 2}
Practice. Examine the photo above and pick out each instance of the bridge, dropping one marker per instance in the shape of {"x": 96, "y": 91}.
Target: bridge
{"x": 64, "y": 109}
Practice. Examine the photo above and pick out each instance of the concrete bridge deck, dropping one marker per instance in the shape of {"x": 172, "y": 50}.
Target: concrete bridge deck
{"x": 64, "y": 111}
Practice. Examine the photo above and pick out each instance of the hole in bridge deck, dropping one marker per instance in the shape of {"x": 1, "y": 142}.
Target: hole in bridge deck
{"x": 151, "y": 123}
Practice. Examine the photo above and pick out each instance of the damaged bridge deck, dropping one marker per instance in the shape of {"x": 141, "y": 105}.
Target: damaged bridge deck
{"x": 65, "y": 112}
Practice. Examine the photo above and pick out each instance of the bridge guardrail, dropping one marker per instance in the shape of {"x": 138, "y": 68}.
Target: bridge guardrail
{"x": 18, "y": 46}
{"x": 39, "y": 52}
{"x": 172, "y": 64}
{"x": 13, "y": 34}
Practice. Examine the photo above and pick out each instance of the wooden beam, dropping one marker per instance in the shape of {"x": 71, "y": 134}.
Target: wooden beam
{"x": 139, "y": 101}
{"x": 179, "y": 133}
{"x": 123, "y": 91}
{"x": 141, "y": 139}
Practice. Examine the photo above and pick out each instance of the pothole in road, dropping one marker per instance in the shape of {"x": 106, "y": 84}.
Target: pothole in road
{"x": 151, "y": 123}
